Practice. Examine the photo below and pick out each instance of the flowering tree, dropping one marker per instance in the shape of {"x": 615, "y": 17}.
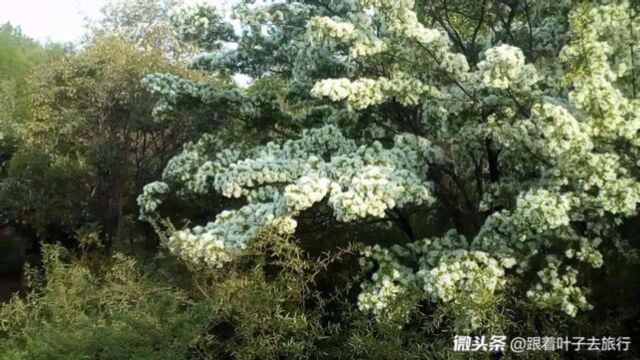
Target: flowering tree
{"x": 517, "y": 120}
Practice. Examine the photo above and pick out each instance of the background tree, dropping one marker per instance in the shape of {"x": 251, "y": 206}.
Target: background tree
{"x": 18, "y": 56}
{"x": 146, "y": 24}
{"x": 91, "y": 108}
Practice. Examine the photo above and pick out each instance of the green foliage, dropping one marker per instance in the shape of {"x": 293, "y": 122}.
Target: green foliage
{"x": 11, "y": 254}
{"x": 42, "y": 191}
{"x": 19, "y": 55}
{"x": 262, "y": 309}
{"x": 89, "y": 112}
{"x": 94, "y": 306}
{"x": 112, "y": 311}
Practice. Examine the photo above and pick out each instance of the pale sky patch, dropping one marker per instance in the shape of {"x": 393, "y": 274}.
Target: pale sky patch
{"x": 59, "y": 20}
{"x": 50, "y": 20}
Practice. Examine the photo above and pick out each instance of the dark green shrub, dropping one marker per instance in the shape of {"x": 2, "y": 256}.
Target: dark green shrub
{"x": 42, "y": 191}
{"x": 110, "y": 312}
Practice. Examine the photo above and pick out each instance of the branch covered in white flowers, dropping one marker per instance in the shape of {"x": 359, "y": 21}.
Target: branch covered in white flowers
{"x": 280, "y": 181}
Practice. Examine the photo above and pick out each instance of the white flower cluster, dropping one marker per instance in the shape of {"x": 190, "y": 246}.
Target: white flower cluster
{"x": 344, "y": 31}
{"x": 543, "y": 210}
{"x": 363, "y": 93}
{"x": 587, "y": 252}
{"x": 504, "y": 67}
{"x": 200, "y": 24}
{"x": 402, "y": 23}
{"x": 374, "y": 179}
{"x": 151, "y": 197}
{"x": 388, "y": 295}
{"x": 470, "y": 277}
{"x": 220, "y": 241}
{"x": 276, "y": 164}
{"x": 306, "y": 191}
{"x": 447, "y": 272}
{"x": 468, "y": 281}
{"x": 171, "y": 90}
{"x": 564, "y": 136}
{"x": 557, "y": 287}
{"x": 566, "y": 148}
{"x": 600, "y": 33}
{"x": 617, "y": 192}
{"x": 188, "y": 22}
{"x": 362, "y": 44}
{"x": 523, "y": 231}
{"x": 455, "y": 64}
{"x": 192, "y": 170}
{"x": 562, "y": 152}
{"x": 400, "y": 32}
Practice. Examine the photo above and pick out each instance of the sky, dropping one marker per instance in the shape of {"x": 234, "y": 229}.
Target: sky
{"x": 55, "y": 20}
{"x": 50, "y": 20}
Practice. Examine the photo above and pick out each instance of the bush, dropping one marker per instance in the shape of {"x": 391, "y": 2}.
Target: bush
{"x": 274, "y": 302}
{"x": 110, "y": 311}
{"x": 42, "y": 191}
